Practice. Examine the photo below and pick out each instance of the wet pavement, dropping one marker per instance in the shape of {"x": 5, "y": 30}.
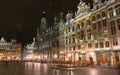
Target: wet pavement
{"x": 32, "y": 68}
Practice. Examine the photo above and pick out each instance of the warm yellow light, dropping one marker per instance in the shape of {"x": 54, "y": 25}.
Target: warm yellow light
{"x": 45, "y": 56}
{"x": 35, "y": 57}
{"x": 67, "y": 59}
{"x": 17, "y": 58}
{"x": 39, "y": 57}
{"x": 69, "y": 55}
{"x": 55, "y": 56}
{"x": 8, "y": 58}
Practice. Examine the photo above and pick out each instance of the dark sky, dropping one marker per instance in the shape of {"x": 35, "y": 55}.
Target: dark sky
{"x": 20, "y": 18}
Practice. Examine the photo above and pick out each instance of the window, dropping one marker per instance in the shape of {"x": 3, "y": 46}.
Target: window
{"x": 89, "y": 45}
{"x": 82, "y": 25}
{"x": 110, "y": 12}
{"x": 118, "y": 23}
{"x": 96, "y": 45}
{"x": 113, "y": 29}
{"x": 94, "y": 25}
{"x": 69, "y": 40}
{"x": 73, "y": 28}
{"x": 89, "y": 36}
{"x": 98, "y": 16}
{"x": 82, "y": 34}
{"x": 88, "y": 22}
{"x": 117, "y": 9}
{"x": 89, "y": 30}
{"x": 107, "y": 43}
{"x": 115, "y": 42}
{"x": 104, "y": 23}
{"x": 103, "y": 14}
{"x": 66, "y": 40}
{"x": 79, "y": 47}
{"x": 99, "y": 24}
{"x": 73, "y": 40}
{"x": 69, "y": 29}
{"x": 73, "y": 47}
{"x": 101, "y": 45}
{"x": 93, "y": 18}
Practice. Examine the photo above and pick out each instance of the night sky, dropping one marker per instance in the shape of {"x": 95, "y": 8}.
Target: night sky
{"x": 19, "y": 19}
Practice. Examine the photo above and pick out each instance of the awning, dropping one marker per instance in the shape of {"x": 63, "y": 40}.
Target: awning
{"x": 81, "y": 53}
{"x": 100, "y": 51}
{"x": 116, "y": 50}
{"x": 106, "y": 50}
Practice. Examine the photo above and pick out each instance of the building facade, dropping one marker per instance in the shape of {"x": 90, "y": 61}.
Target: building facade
{"x": 94, "y": 34}
{"x": 9, "y": 50}
{"x": 88, "y": 35}
{"x": 47, "y": 43}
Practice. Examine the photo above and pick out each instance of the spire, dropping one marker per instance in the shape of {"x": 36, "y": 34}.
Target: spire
{"x": 2, "y": 39}
{"x": 55, "y": 20}
{"x": 43, "y": 14}
{"x": 34, "y": 39}
{"x": 43, "y": 24}
{"x": 61, "y": 15}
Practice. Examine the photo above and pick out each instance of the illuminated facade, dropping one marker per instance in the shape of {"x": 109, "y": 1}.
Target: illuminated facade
{"x": 9, "y": 50}
{"x": 28, "y": 53}
{"x": 92, "y": 35}
{"x": 47, "y": 41}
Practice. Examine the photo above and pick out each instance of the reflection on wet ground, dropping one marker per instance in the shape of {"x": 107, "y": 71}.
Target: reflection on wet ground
{"x": 31, "y": 68}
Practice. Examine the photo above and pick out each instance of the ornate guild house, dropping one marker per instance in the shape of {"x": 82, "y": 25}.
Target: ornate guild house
{"x": 88, "y": 35}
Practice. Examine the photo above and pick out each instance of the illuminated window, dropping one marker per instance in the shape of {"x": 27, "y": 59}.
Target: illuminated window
{"x": 117, "y": 9}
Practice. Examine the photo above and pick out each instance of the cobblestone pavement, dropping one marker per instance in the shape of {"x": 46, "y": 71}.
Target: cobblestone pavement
{"x": 32, "y": 68}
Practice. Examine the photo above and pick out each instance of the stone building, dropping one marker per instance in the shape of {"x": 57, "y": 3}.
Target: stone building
{"x": 47, "y": 43}
{"x": 10, "y": 50}
{"x": 88, "y": 35}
